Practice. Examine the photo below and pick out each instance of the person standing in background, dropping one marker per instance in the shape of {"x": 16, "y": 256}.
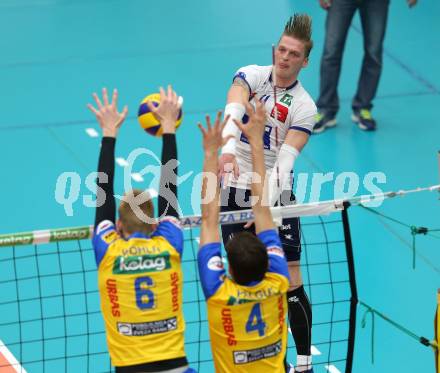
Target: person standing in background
{"x": 374, "y": 15}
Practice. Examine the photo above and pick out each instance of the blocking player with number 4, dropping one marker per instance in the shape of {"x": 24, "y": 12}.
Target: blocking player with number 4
{"x": 246, "y": 311}
{"x": 139, "y": 261}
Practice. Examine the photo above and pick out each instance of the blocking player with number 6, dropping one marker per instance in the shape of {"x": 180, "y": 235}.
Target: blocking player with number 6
{"x": 139, "y": 261}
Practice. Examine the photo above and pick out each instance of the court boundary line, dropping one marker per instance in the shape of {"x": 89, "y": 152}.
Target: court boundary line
{"x": 14, "y": 364}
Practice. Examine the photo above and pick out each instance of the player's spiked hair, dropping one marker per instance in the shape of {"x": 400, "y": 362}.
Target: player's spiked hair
{"x": 130, "y": 222}
{"x": 299, "y": 26}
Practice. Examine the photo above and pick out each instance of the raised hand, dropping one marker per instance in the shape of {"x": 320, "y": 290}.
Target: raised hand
{"x": 168, "y": 110}
{"x": 212, "y": 135}
{"x": 107, "y": 115}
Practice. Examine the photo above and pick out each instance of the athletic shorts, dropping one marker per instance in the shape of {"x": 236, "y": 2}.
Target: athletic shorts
{"x": 234, "y": 199}
{"x": 178, "y": 365}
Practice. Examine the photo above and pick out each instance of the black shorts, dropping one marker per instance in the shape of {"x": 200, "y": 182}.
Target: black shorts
{"x": 156, "y": 366}
{"x": 290, "y": 230}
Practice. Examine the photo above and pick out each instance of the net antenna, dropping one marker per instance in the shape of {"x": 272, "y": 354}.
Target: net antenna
{"x": 438, "y": 159}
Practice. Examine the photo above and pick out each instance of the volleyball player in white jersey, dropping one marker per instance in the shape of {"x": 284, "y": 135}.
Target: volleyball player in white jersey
{"x": 289, "y": 125}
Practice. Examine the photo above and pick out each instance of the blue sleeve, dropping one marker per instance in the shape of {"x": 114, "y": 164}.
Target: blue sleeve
{"x": 211, "y": 268}
{"x": 250, "y": 75}
{"x": 169, "y": 228}
{"x": 277, "y": 261}
{"x": 104, "y": 235}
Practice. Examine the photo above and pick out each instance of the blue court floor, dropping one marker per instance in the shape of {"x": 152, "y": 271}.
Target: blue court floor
{"x": 56, "y": 53}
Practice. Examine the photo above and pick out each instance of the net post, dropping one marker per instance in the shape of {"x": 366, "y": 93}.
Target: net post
{"x": 437, "y": 332}
{"x": 353, "y": 288}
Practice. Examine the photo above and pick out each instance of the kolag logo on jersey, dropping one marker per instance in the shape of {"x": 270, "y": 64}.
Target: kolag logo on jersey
{"x": 127, "y": 265}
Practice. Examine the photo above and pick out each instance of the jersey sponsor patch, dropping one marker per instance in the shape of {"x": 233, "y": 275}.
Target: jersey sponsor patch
{"x": 257, "y": 295}
{"x": 112, "y": 293}
{"x": 109, "y": 237}
{"x": 282, "y": 112}
{"x": 103, "y": 226}
{"x": 136, "y": 250}
{"x": 249, "y": 356}
{"x": 215, "y": 263}
{"x": 127, "y": 265}
{"x": 147, "y": 328}
{"x": 228, "y": 326}
{"x": 274, "y": 250}
{"x": 287, "y": 99}
{"x": 174, "y": 277}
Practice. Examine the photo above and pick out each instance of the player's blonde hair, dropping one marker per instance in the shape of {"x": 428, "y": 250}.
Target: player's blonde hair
{"x": 130, "y": 222}
{"x": 299, "y": 26}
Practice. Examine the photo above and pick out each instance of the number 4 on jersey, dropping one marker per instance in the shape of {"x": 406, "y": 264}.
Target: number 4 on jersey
{"x": 255, "y": 321}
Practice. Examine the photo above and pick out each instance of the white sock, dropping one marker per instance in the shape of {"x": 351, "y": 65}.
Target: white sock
{"x": 303, "y": 363}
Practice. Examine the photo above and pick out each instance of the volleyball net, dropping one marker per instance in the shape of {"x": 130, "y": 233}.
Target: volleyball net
{"x": 50, "y": 311}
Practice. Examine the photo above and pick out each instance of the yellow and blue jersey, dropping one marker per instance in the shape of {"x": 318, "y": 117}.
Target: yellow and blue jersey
{"x": 140, "y": 285}
{"x": 246, "y": 323}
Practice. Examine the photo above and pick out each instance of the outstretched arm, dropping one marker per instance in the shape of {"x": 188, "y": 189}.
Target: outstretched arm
{"x": 167, "y": 113}
{"x": 212, "y": 141}
{"x": 254, "y": 131}
{"x": 238, "y": 96}
{"x": 110, "y": 120}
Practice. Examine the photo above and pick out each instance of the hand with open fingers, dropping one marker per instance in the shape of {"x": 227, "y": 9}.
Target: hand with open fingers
{"x": 107, "y": 114}
{"x": 325, "y": 4}
{"x": 254, "y": 129}
{"x": 212, "y": 135}
{"x": 168, "y": 110}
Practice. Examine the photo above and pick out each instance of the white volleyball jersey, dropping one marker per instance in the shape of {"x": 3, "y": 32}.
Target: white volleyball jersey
{"x": 296, "y": 111}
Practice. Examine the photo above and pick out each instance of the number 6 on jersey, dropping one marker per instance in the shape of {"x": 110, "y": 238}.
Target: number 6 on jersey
{"x": 144, "y": 296}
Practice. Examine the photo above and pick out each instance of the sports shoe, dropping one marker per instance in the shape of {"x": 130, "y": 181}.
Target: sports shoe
{"x": 364, "y": 120}
{"x": 323, "y": 121}
{"x": 292, "y": 370}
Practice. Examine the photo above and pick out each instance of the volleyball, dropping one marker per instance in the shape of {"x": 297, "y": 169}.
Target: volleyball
{"x": 148, "y": 121}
